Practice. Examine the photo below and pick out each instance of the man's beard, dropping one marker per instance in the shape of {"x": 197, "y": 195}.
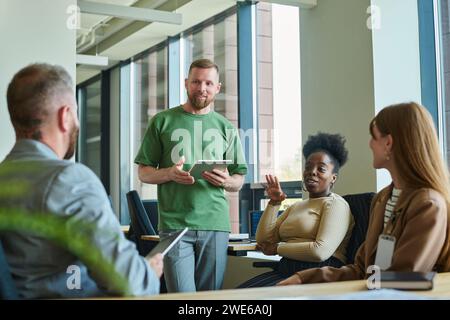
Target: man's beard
{"x": 73, "y": 142}
{"x": 199, "y": 104}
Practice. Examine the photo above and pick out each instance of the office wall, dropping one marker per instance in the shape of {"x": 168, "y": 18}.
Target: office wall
{"x": 337, "y": 83}
{"x": 396, "y": 58}
{"x": 31, "y": 31}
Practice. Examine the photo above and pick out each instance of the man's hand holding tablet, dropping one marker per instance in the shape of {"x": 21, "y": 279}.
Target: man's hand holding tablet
{"x": 156, "y": 263}
{"x": 155, "y": 257}
{"x": 164, "y": 245}
{"x": 201, "y": 166}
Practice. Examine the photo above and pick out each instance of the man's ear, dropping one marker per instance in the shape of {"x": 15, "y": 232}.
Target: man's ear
{"x": 186, "y": 83}
{"x": 219, "y": 85}
{"x": 64, "y": 118}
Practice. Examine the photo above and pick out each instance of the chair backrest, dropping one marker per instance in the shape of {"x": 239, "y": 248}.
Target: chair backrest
{"x": 8, "y": 290}
{"x": 360, "y": 208}
{"x": 139, "y": 219}
{"x": 151, "y": 207}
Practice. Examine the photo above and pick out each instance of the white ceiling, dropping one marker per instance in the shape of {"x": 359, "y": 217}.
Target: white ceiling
{"x": 89, "y": 20}
{"x": 193, "y": 13}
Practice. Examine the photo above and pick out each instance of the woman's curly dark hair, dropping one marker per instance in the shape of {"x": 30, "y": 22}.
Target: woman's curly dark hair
{"x": 332, "y": 144}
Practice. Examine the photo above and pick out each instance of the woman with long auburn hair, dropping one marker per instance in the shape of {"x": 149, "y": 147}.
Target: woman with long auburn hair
{"x": 409, "y": 222}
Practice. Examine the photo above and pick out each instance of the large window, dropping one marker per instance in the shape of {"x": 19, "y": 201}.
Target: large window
{"x": 217, "y": 41}
{"x": 90, "y": 132}
{"x": 144, "y": 91}
{"x": 150, "y": 97}
{"x": 278, "y": 90}
{"x": 445, "y": 85}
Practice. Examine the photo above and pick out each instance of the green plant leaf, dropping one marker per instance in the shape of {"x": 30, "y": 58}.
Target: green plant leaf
{"x": 73, "y": 236}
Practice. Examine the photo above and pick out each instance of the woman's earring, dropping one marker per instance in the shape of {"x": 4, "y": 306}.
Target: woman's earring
{"x": 387, "y": 156}
{"x": 303, "y": 187}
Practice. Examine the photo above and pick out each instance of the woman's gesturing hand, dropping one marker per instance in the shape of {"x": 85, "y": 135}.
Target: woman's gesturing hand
{"x": 273, "y": 189}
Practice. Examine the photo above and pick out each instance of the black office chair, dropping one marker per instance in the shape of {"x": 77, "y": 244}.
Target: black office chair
{"x": 151, "y": 207}
{"x": 8, "y": 290}
{"x": 140, "y": 223}
{"x": 360, "y": 208}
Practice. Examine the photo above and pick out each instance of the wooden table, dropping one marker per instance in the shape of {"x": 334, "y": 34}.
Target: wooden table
{"x": 307, "y": 291}
{"x": 240, "y": 249}
{"x": 235, "y": 248}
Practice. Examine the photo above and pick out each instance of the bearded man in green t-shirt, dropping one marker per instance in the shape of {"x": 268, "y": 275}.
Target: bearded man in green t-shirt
{"x": 175, "y": 139}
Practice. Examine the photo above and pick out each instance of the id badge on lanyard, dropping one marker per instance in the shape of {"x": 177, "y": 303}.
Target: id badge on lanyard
{"x": 385, "y": 251}
{"x": 386, "y": 243}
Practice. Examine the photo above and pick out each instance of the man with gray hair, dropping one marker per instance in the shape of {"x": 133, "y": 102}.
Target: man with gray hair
{"x": 43, "y": 112}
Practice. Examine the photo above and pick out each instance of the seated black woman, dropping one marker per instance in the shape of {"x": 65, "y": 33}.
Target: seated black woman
{"x": 312, "y": 232}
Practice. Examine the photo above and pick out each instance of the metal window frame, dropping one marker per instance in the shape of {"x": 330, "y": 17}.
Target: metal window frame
{"x": 440, "y": 77}
{"x": 247, "y": 102}
{"x": 247, "y": 82}
{"x": 125, "y": 127}
{"x": 174, "y": 47}
{"x": 431, "y": 71}
{"x": 105, "y": 119}
{"x": 174, "y": 61}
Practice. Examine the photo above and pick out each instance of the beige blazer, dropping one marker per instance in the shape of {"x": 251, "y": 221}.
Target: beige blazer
{"x": 420, "y": 229}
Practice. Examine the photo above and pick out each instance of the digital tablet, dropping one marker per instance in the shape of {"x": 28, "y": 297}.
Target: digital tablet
{"x": 208, "y": 165}
{"x": 167, "y": 243}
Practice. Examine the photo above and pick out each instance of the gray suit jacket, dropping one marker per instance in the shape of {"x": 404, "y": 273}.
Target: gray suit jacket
{"x": 39, "y": 267}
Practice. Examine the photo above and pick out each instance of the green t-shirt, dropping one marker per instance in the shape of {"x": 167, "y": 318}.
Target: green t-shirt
{"x": 173, "y": 133}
